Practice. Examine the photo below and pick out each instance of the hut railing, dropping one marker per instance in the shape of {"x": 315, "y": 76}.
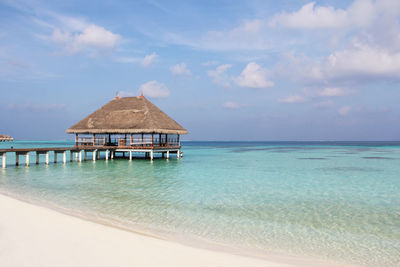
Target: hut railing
{"x": 147, "y": 142}
{"x": 129, "y": 142}
{"x": 90, "y": 141}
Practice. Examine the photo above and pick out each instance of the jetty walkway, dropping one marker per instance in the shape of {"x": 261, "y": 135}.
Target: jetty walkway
{"x": 81, "y": 153}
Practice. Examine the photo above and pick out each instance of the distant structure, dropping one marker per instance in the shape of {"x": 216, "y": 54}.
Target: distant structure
{"x": 129, "y": 124}
{"x": 5, "y": 138}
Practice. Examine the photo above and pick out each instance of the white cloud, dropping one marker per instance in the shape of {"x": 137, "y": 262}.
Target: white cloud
{"x": 362, "y": 61}
{"x": 91, "y": 38}
{"x": 154, "y": 89}
{"x": 333, "y": 91}
{"x": 219, "y": 75}
{"x": 358, "y": 63}
{"x": 149, "y": 59}
{"x": 231, "y": 105}
{"x": 293, "y": 99}
{"x": 180, "y": 69}
{"x": 253, "y": 76}
{"x": 360, "y": 13}
{"x": 344, "y": 110}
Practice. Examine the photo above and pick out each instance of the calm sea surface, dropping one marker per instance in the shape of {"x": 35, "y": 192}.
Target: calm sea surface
{"x": 335, "y": 201}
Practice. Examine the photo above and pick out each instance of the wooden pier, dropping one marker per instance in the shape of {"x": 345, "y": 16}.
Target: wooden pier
{"x": 80, "y": 153}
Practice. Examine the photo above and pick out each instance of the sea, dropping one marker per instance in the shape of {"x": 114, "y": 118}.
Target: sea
{"x": 334, "y": 201}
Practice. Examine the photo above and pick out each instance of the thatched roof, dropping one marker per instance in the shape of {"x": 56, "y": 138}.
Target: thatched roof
{"x": 4, "y": 137}
{"x": 128, "y": 115}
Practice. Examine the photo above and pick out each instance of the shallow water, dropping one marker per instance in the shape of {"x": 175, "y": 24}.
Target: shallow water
{"x": 336, "y": 201}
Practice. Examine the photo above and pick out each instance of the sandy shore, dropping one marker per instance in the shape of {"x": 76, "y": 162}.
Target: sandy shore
{"x": 36, "y": 236}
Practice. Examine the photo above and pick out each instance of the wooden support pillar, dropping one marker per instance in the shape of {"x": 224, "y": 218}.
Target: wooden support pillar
{"x": 167, "y": 154}
{"x": 71, "y": 156}
{"x": 98, "y": 154}
{"x": 112, "y": 154}
{"x": 3, "y": 160}
{"x": 65, "y": 157}
{"x": 16, "y": 159}
{"x": 80, "y": 155}
{"x": 94, "y": 155}
{"x": 178, "y": 154}
{"x": 130, "y": 155}
{"x": 55, "y": 156}
{"x": 27, "y": 159}
{"x": 85, "y": 155}
{"x": 151, "y": 155}
{"x": 107, "y": 154}
{"x": 47, "y": 158}
{"x": 37, "y": 157}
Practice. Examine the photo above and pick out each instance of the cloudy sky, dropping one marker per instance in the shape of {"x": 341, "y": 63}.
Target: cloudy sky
{"x": 225, "y": 70}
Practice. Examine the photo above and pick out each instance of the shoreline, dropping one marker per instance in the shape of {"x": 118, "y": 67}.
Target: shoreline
{"x": 215, "y": 255}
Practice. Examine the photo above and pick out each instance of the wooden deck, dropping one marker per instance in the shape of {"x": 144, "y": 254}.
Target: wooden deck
{"x": 77, "y": 151}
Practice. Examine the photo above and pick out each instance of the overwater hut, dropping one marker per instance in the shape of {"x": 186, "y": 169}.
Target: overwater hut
{"x": 129, "y": 124}
{"x": 5, "y": 138}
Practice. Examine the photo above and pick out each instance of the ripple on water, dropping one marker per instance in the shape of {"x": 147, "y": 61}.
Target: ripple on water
{"x": 340, "y": 208}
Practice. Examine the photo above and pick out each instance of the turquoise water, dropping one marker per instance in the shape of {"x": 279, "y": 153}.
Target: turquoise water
{"x": 335, "y": 201}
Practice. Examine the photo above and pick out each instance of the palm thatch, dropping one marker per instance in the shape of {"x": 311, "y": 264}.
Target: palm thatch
{"x": 128, "y": 115}
{"x": 4, "y": 138}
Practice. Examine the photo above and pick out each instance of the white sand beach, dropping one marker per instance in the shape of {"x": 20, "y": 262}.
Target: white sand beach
{"x": 35, "y": 236}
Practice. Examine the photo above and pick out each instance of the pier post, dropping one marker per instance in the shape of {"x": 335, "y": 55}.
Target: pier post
{"x": 130, "y": 155}
{"x": 3, "y": 160}
{"x": 178, "y": 154}
{"x": 98, "y": 154}
{"x": 168, "y": 154}
{"x": 16, "y": 159}
{"x": 151, "y": 155}
{"x": 37, "y": 157}
{"x": 71, "y": 155}
{"x": 112, "y": 154}
{"x": 94, "y": 155}
{"x": 27, "y": 159}
{"x": 55, "y": 156}
{"x": 80, "y": 155}
{"x": 47, "y": 158}
{"x": 65, "y": 157}
{"x": 85, "y": 157}
{"x": 107, "y": 154}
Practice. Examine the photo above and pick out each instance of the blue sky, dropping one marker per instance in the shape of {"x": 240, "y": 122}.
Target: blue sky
{"x": 225, "y": 70}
